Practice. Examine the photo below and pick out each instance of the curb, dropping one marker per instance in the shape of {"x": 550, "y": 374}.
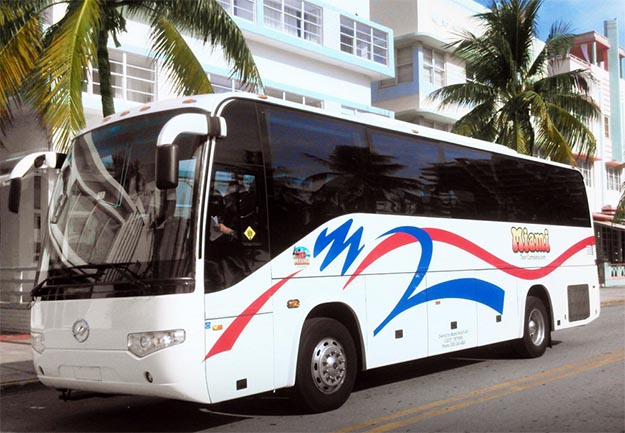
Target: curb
{"x": 612, "y": 302}
{"x": 9, "y": 338}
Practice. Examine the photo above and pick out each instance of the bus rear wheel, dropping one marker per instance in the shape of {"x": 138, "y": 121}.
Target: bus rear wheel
{"x": 536, "y": 330}
{"x": 326, "y": 365}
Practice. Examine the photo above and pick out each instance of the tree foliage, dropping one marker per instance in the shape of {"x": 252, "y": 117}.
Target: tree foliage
{"x": 45, "y": 66}
{"x": 513, "y": 97}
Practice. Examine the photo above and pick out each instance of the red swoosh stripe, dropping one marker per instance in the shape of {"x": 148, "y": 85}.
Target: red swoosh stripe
{"x": 232, "y": 333}
{"x": 525, "y": 274}
{"x": 400, "y": 239}
{"x": 386, "y": 246}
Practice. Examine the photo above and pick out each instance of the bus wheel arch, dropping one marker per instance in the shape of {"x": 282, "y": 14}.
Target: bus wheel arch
{"x": 537, "y": 324}
{"x": 347, "y": 317}
{"x": 328, "y": 358}
{"x": 542, "y": 293}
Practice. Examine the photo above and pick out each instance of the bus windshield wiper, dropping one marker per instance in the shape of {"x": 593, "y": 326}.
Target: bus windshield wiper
{"x": 100, "y": 268}
{"x": 121, "y": 267}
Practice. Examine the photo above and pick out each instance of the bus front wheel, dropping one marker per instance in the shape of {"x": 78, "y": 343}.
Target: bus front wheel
{"x": 536, "y": 330}
{"x": 326, "y": 365}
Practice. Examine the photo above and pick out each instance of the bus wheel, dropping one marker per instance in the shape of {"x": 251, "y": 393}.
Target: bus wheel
{"x": 536, "y": 331}
{"x": 326, "y": 365}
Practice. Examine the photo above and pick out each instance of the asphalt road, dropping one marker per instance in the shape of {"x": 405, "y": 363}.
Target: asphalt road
{"x": 577, "y": 386}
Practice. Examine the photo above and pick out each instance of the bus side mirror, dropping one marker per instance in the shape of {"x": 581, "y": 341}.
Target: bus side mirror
{"x": 167, "y": 154}
{"x": 15, "y": 194}
{"x": 34, "y": 160}
{"x": 167, "y": 162}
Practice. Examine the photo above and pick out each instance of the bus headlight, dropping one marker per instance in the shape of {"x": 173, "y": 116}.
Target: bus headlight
{"x": 38, "y": 342}
{"x": 143, "y": 343}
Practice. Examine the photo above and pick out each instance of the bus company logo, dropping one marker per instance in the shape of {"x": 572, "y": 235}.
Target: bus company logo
{"x": 524, "y": 241}
{"x": 80, "y": 330}
{"x": 301, "y": 256}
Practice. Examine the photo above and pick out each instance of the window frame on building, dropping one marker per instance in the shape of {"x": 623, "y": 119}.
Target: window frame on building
{"x": 245, "y": 9}
{"x": 404, "y": 67}
{"x": 123, "y": 64}
{"x": 294, "y": 97}
{"x": 364, "y": 41}
{"x": 299, "y": 18}
{"x": 586, "y": 166}
{"x": 614, "y": 178}
{"x": 432, "y": 67}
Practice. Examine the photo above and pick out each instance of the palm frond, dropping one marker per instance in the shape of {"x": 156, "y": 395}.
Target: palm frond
{"x": 467, "y": 94}
{"x": 577, "y": 134}
{"x": 478, "y": 123}
{"x": 184, "y": 70}
{"x": 20, "y": 47}
{"x": 549, "y": 138}
{"x": 619, "y": 214}
{"x": 207, "y": 21}
{"x": 61, "y": 70}
{"x": 572, "y": 82}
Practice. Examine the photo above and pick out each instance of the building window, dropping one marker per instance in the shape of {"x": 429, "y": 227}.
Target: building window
{"x": 614, "y": 178}
{"x": 294, "y": 97}
{"x": 223, "y": 84}
{"x": 133, "y": 77}
{"x": 606, "y": 126}
{"x": 239, "y": 8}
{"x": 434, "y": 66}
{"x": 403, "y": 68}
{"x": 295, "y": 17}
{"x": 404, "y": 65}
{"x": 364, "y": 41}
{"x": 586, "y": 168}
{"x": 434, "y": 125}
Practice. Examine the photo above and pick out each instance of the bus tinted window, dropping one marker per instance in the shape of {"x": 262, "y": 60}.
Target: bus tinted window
{"x": 320, "y": 169}
{"x": 469, "y": 187}
{"x": 404, "y": 174}
{"x": 420, "y": 176}
{"x": 538, "y": 193}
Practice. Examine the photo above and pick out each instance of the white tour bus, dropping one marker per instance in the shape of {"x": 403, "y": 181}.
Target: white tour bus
{"x": 226, "y": 245}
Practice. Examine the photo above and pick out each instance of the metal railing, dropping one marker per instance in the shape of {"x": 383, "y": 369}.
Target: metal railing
{"x": 16, "y": 284}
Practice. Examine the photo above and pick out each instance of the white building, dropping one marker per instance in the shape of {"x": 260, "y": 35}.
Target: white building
{"x": 602, "y": 55}
{"x": 424, "y": 62}
{"x": 307, "y": 51}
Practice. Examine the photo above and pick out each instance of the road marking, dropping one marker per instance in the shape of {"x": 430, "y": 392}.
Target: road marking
{"x": 398, "y": 419}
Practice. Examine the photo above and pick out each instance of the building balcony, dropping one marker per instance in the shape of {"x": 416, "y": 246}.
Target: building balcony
{"x": 316, "y": 30}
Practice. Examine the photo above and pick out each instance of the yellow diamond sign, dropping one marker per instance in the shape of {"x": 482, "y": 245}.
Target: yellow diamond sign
{"x": 249, "y": 233}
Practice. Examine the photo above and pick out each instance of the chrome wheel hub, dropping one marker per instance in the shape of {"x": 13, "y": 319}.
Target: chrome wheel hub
{"x": 536, "y": 327}
{"x": 328, "y": 365}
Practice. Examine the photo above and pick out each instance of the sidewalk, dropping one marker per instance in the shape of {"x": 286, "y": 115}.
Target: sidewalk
{"x": 16, "y": 366}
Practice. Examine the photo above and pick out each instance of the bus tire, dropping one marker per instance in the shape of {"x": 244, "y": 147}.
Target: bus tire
{"x": 326, "y": 365}
{"x": 536, "y": 329}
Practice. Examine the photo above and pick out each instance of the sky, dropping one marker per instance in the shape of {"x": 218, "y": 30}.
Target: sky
{"x": 582, "y": 15}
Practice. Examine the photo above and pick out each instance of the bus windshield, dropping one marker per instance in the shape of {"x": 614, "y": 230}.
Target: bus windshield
{"x": 110, "y": 231}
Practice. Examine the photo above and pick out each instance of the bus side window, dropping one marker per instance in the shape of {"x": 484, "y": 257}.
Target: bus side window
{"x": 236, "y": 234}
{"x": 405, "y": 173}
{"x": 320, "y": 169}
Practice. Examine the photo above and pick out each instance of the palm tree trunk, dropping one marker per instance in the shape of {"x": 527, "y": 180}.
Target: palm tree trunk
{"x": 104, "y": 69}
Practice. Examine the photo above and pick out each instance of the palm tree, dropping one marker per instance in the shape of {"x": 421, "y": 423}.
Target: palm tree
{"x": 46, "y": 66}
{"x": 512, "y": 98}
